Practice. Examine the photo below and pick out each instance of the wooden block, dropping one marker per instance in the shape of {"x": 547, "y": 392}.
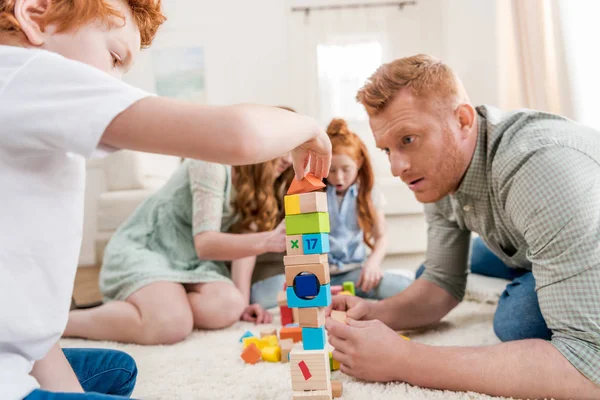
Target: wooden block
{"x": 333, "y": 363}
{"x": 296, "y": 315}
{"x": 305, "y": 260}
{"x": 268, "y": 332}
{"x": 251, "y": 354}
{"x": 317, "y": 363}
{"x": 268, "y": 341}
{"x": 294, "y": 245}
{"x": 307, "y": 223}
{"x": 271, "y": 354}
{"x": 294, "y": 333}
{"x": 286, "y": 315}
{"x": 246, "y": 335}
{"x": 282, "y": 298}
{"x": 314, "y": 338}
{"x": 321, "y": 271}
{"x": 286, "y": 346}
{"x": 310, "y": 183}
{"x": 336, "y": 389}
{"x": 249, "y": 340}
{"x": 338, "y": 316}
{"x": 349, "y": 287}
{"x": 291, "y": 204}
{"x": 313, "y": 202}
{"x": 311, "y": 317}
{"x": 315, "y": 243}
{"x": 306, "y": 286}
{"x": 345, "y": 293}
{"x": 323, "y": 299}
{"x": 312, "y": 395}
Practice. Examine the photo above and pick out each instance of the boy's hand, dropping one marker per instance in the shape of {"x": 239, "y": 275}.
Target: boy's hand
{"x": 255, "y": 313}
{"x": 370, "y": 276}
{"x": 317, "y": 151}
{"x": 275, "y": 240}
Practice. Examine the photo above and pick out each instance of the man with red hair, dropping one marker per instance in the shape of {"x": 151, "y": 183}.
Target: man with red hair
{"x": 61, "y": 97}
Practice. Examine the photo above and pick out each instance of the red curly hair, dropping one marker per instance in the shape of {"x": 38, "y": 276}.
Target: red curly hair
{"x": 343, "y": 141}
{"x": 71, "y": 14}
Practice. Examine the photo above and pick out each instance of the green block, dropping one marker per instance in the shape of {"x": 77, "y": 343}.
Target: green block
{"x": 349, "y": 287}
{"x": 307, "y": 223}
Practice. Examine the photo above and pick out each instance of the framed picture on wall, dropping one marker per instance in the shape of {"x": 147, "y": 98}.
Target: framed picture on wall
{"x": 180, "y": 73}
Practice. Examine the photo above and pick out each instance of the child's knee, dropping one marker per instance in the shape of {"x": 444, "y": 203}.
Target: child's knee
{"x": 168, "y": 328}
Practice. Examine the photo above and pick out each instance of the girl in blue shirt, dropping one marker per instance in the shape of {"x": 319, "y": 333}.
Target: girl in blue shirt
{"x": 356, "y": 218}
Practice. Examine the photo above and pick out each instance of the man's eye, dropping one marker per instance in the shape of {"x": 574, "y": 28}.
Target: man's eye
{"x": 408, "y": 139}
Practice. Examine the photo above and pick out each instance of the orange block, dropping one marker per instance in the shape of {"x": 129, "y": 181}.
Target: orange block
{"x": 251, "y": 354}
{"x": 310, "y": 183}
{"x": 294, "y": 333}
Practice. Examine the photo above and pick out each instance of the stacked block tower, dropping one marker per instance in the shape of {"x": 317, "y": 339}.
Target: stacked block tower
{"x": 308, "y": 287}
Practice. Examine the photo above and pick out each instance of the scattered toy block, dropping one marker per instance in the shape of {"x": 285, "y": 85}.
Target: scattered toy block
{"x": 271, "y": 354}
{"x": 249, "y": 340}
{"x": 268, "y": 332}
{"x": 306, "y": 286}
{"x": 321, "y": 271}
{"x": 310, "y": 183}
{"x": 333, "y": 363}
{"x": 336, "y": 289}
{"x": 268, "y": 341}
{"x": 323, "y": 299}
{"x": 313, "y": 317}
{"x": 286, "y": 346}
{"x": 336, "y": 389}
{"x": 402, "y": 336}
{"x": 251, "y": 354}
{"x": 315, "y": 243}
{"x": 287, "y": 316}
{"x": 291, "y": 204}
{"x": 294, "y": 245}
{"x": 307, "y": 223}
{"x": 314, "y": 338}
{"x": 246, "y": 335}
{"x": 317, "y": 364}
{"x": 305, "y": 260}
{"x": 294, "y": 333}
{"x": 345, "y": 293}
{"x": 349, "y": 287}
{"x": 339, "y": 316}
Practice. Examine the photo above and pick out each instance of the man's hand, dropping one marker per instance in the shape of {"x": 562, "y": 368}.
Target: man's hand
{"x": 367, "y": 350}
{"x": 370, "y": 276}
{"x": 255, "y": 313}
{"x": 355, "y": 307}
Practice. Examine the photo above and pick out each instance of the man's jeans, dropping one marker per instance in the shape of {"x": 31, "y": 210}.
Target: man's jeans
{"x": 103, "y": 374}
{"x": 518, "y": 315}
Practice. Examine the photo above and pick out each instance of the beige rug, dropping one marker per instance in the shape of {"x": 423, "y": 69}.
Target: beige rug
{"x": 208, "y": 366}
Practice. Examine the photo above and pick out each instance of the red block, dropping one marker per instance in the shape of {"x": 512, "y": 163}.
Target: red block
{"x": 286, "y": 315}
{"x": 305, "y": 371}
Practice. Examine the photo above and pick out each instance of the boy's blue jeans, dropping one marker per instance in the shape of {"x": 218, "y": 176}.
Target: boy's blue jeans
{"x": 518, "y": 315}
{"x": 265, "y": 292}
{"x": 103, "y": 374}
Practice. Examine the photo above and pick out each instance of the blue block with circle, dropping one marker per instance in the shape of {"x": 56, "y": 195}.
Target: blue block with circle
{"x": 315, "y": 243}
{"x": 313, "y": 338}
{"x": 306, "y": 285}
{"x": 323, "y": 299}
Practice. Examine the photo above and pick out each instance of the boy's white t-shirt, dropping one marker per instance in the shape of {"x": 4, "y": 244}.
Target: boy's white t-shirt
{"x": 53, "y": 112}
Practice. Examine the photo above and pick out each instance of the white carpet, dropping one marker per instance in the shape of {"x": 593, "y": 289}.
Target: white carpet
{"x": 208, "y": 366}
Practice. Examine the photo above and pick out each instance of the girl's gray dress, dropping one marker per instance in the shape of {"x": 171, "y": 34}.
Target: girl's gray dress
{"x": 157, "y": 242}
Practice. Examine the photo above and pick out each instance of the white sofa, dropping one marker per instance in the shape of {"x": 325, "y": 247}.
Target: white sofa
{"x": 117, "y": 184}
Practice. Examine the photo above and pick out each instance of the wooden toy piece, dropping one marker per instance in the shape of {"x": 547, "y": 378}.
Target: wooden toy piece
{"x": 307, "y": 223}
{"x": 313, "y": 202}
{"x": 246, "y": 335}
{"x": 296, "y": 315}
{"x": 268, "y": 332}
{"x": 402, "y": 336}
{"x": 312, "y": 395}
{"x": 333, "y": 363}
{"x": 291, "y": 204}
{"x": 306, "y": 286}
{"x": 294, "y": 333}
{"x": 310, "y": 183}
{"x": 286, "y": 346}
{"x": 315, "y": 243}
{"x": 345, "y": 293}
{"x": 251, "y": 354}
{"x": 312, "y": 364}
{"x": 294, "y": 245}
{"x": 249, "y": 340}
{"x": 336, "y": 289}
{"x": 349, "y": 287}
{"x": 323, "y": 299}
{"x": 314, "y": 338}
{"x": 287, "y": 317}
{"x": 336, "y": 389}
{"x": 321, "y": 271}
{"x": 339, "y": 316}
{"x": 305, "y": 260}
{"x": 282, "y": 298}
{"x": 268, "y": 341}
{"x": 271, "y": 354}
{"x": 313, "y": 317}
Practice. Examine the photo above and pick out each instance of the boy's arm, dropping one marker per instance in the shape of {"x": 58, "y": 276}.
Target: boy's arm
{"x": 241, "y": 274}
{"x": 54, "y": 373}
{"x": 236, "y": 135}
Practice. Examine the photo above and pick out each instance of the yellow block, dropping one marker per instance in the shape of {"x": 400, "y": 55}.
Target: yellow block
{"x": 345, "y": 293}
{"x": 271, "y": 353}
{"x": 404, "y": 337}
{"x": 267, "y": 341}
{"x": 254, "y": 340}
{"x": 292, "y": 204}
{"x": 333, "y": 363}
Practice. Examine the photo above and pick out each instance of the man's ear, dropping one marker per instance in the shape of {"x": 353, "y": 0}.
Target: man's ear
{"x": 28, "y": 13}
{"x": 466, "y": 118}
